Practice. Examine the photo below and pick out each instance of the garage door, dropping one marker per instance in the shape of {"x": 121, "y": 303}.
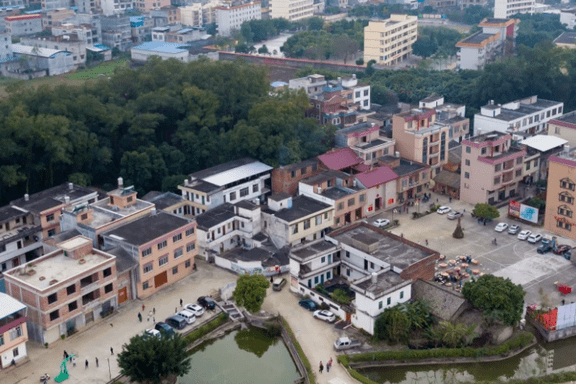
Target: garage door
{"x": 160, "y": 279}
{"x": 122, "y": 295}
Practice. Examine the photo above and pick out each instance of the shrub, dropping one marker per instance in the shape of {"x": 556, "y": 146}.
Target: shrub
{"x": 62, "y": 337}
{"x": 360, "y": 61}
{"x": 206, "y": 328}
{"x": 273, "y": 329}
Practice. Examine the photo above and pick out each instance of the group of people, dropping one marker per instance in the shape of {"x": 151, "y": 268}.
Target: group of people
{"x": 86, "y": 363}
{"x": 328, "y": 366}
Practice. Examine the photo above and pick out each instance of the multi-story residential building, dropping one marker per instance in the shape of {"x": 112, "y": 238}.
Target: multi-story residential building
{"x": 242, "y": 179}
{"x": 20, "y": 237}
{"x": 379, "y": 266}
{"x": 87, "y": 27}
{"x": 521, "y": 118}
{"x": 13, "y": 331}
{"x": 339, "y": 190}
{"x": 116, "y": 32}
{"x": 165, "y": 15}
{"x": 120, "y": 207}
{"x": 285, "y": 178}
{"x": 291, "y": 10}
{"x": 141, "y": 28}
{"x": 560, "y": 194}
{"x": 389, "y": 42}
{"x": 334, "y": 106}
{"x": 468, "y": 3}
{"x": 166, "y": 201}
{"x": 23, "y": 25}
{"x": 231, "y": 17}
{"x": 538, "y": 149}
{"x": 381, "y": 189}
{"x": 47, "y": 206}
{"x": 148, "y": 5}
{"x": 419, "y": 137}
{"x": 70, "y": 43}
{"x": 366, "y": 141}
{"x": 116, "y": 7}
{"x": 177, "y": 34}
{"x": 49, "y": 5}
{"x": 360, "y": 92}
{"x": 494, "y": 41}
{"x": 229, "y": 226}
{"x": 449, "y": 114}
{"x": 191, "y": 15}
{"x": 290, "y": 221}
{"x": 342, "y": 159}
{"x": 312, "y": 84}
{"x": 491, "y": 168}
{"x": 5, "y": 46}
{"x": 65, "y": 290}
{"x": 504, "y": 9}
{"x": 564, "y": 127}
{"x": 411, "y": 179}
{"x": 56, "y": 17}
{"x": 164, "y": 245}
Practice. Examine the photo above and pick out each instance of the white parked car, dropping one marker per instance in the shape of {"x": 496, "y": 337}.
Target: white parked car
{"x": 381, "y": 223}
{"x": 501, "y": 227}
{"x": 189, "y": 316}
{"x": 513, "y": 229}
{"x": 534, "y": 238}
{"x": 325, "y": 315}
{"x": 196, "y": 309}
{"x": 454, "y": 215}
{"x": 152, "y": 332}
{"x": 443, "y": 209}
{"x": 525, "y": 234}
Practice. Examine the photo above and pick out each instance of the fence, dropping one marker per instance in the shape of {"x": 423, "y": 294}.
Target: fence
{"x": 338, "y": 309}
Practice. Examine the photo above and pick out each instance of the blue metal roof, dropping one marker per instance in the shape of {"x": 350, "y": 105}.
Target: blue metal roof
{"x": 161, "y": 46}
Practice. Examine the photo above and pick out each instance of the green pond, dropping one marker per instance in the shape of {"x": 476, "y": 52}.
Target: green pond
{"x": 539, "y": 360}
{"x": 242, "y": 357}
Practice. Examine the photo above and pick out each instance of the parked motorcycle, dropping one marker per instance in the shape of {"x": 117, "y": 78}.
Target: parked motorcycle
{"x": 44, "y": 378}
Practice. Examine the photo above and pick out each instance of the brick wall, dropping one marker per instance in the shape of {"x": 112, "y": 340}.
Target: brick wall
{"x": 282, "y": 180}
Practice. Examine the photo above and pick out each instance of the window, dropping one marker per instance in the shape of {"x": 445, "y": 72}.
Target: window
{"x": 72, "y": 306}
{"x": 293, "y": 174}
{"x": 567, "y": 184}
{"x": 388, "y": 301}
{"x": 177, "y": 238}
{"x": 187, "y": 264}
{"x": 51, "y": 232}
{"x": 566, "y": 197}
{"x": 232, "y": 196}
{"x": 326, "y": 216}
{"x": 54, "y": 315}
{"x": 498, "y": 167}
{"x": 323, "y": 259}
{"x": 70, "y": 289}
{"x": 362, "y": 198}
{"x": 518, "y": 172}
{"x": 15, "y": 352}
{"x": 189, "y": 232}
{"x": 527, "y": 165}
{"x": 351, "y": 202}
{"x": 244, "y": 192}
{"x": 50, "y": 217}
{"x": 401, "y": 294}
{"x": 295, "y": 229}
{"x": 145, "y": 285}
{"x": 52, "y": 298}
{"x": 129, "y": 199}
{"x": 315, "y": 279}
{"x": 466, "y": 175}
{"x": 1, "y": 340}
{"x": 348, "y": 254}
{"x": 371, "y": 265}
{"x": 380, "y": 305}
{"x": 178, "y": 253}
{"x": 146, "y": 252}
{"x": 318, "y": 219}
{"x": 365, "y": 92}
{"x": 84, "y": 216}
{"x": 148, "y": 267}
{"x": 306, "y": 224}
{"x": 467, "y": 162}
{"x": 162, "y": 244}
{"x": 163, "y": 260}
{"x": 109, "y": 288}
{"x": 562, "y": 224}
{"x": 536, "y": 162}
{"x": 564, "y": 210}
{"x": 175, "y": 270}
{"x": 340, "y": 206}
{"x": 468, "y": 149}
{"x": 255, "y": 188}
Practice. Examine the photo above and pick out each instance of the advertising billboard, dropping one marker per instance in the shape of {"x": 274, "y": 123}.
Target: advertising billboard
{"x": 523, "y": 211}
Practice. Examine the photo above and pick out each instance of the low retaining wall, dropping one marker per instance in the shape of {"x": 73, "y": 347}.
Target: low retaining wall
{"x": 552, "y": 335}
{"x": 337, "y": 309}
{"x": 292, "y": 63}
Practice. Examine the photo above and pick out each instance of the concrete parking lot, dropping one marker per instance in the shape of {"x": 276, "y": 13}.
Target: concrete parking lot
{"x": 511, "y": 258}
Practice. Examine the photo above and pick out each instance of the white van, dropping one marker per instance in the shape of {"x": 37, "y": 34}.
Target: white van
{"x": 189, "y": 316}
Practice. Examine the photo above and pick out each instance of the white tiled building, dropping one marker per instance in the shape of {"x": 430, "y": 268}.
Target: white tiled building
{"x": 291, "y": 10}
{"x": 504, "y": 9}
{"x": 231, "y": 18}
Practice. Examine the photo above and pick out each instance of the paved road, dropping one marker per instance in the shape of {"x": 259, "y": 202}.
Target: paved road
{"x": 97, "y": 340}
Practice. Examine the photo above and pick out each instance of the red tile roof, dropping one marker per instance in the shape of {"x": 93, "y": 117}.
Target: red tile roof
{"x": 362, "y": 167}
{"x": 340, "y": 159}
{"x": 377, "y": 176}
{"x": 562, "y": 160}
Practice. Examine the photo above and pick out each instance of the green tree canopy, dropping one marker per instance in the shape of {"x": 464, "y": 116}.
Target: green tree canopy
{"x": 486, "y": 211}
{"x": 250, "y": 291}
{"x": 149, "y": 360}
{"x": 499, "y": 298}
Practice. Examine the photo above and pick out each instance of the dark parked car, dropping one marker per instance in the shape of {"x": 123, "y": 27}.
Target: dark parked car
{"x": 164, "y": 328}
{"x": 561, "y": 249}
{"x": 308, "y": 304}
{"x": 206, "y": 302}
{"x": 544, "y": 248}
{"x": 176, "y": 322}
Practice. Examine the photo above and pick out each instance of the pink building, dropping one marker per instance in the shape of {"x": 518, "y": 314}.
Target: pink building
{"x": 148, "y": 5}
{"x": 65, "y": 290}
{"x": 13, "y": 331}
{"x": 366, "y": 142}
{"x": 491, "y": 168}
{"x": 164, "y": 246}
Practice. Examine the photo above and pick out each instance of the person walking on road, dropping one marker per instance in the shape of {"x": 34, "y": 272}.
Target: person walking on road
{"x": 111, "y": 350}
{"x": 86, "y": 364}
{"x": 181, "y": 302}
{"x": 66, "y": 355}
{"x": 321, "y": 367}
{"x": 97, "y": 363}
{"x": 328, "y": 365}
{"x": 140, "y": 316}
{"x": 73, "y": 361}
{"x": 426, "y": 242}
{"x": 153, "y": 311}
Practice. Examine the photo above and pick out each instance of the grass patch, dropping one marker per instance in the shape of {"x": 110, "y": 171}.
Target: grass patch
{"x": 311, "y": 376}
{"x": 206, "y": 328}
{"x": 106, "y": 69}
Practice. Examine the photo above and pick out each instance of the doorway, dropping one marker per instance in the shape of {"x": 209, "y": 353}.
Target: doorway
{"x": 160, "y": 279}
{"x": 122, "y": 295}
